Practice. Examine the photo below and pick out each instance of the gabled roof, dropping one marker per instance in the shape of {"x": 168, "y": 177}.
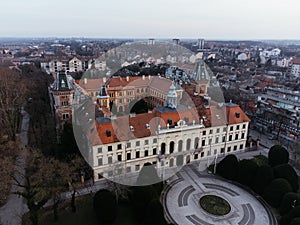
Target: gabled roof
{"x": 62, "y": 82}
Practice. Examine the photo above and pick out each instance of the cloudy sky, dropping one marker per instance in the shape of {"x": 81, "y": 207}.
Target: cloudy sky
{"x": 210, "y": 19}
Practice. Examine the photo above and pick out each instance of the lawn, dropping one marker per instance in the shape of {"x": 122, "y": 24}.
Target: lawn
{"x": 84, "y": 215}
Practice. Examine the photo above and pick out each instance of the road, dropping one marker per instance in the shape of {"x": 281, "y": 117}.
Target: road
{"x": 11, "y": 213}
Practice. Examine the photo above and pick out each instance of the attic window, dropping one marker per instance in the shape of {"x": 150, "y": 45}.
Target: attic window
{"x": 108, "y": 133}
{"x": 237, "y": 115}
{"x": 147, "y": 126}
{"x": 63, "y": 84}
{"x": 186, "y": 119}
{"x": 131, "y": 128}
{"x": 218, "y": 116}
{"x": 170, "y": 121}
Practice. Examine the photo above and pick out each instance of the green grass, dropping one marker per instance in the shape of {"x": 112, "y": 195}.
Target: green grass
{"x": 215, "y": 205}
{"x": 84, "y": 215}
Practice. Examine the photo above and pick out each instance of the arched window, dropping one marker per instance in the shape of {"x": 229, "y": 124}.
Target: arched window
{"x": 171, "y": 148}
{"x": 188, "y": 144}
{"x": 188, "y": 159}
{"x": 180, "y": 146}
{"x": 163, "y": 148}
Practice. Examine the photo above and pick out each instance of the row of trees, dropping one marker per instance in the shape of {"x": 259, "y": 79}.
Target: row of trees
{"x": 276, "y": 181}
{"x": 144, "y": 200}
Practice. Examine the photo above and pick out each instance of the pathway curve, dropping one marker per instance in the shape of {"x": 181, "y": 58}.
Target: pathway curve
{"x": 182, "y": 195}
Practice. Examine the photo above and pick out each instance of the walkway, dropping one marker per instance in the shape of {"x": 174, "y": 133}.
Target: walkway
{"x": 11, "y": 213}
{"x": 182, "y": 195}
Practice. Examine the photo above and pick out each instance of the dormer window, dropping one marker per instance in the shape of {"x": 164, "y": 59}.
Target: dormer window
{"x": 147, "y": 125}
{"x": 170, "y": 121}
{"x": 131, "y": 128}
{"x": 108, "y": 133}
{"x": 237, "y": 115}
{"x": 63, "y": 84}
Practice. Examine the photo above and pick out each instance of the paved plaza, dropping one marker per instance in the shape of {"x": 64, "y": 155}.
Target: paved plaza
{"x": 182, "y": 195}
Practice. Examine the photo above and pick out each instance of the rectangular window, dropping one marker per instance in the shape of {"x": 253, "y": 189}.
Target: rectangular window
{"x": 244, "y": 126}
{"x": 236, "y": 136}
{"x": 137, "y": 154}
{"x": 109, "y": 159}
{"x": 224, "y": 129}
{"x": 119, "y": 158}
{"x": 211, "y": 131}
{"x": 218, "y": 130}
{"x": 128, "y": 145}
{"x": 210, "y": 141}
{"x": 137, "y": 143}
{"x": 146, "y": 142}
{"x": 229, "y": 149}
{"x": 119, "y": 146}
{"x": 100, "y": 162}
{"x": 235, "y": 148}
{"x": 238, "y": 127}
{"x": 231, "y": 128}
{"x": 217, "y": 140}
{"x": 203, "y": 142}
{"x": 241, "y": 147}
{"x": 99, "y": 150}
{"x": 202, "y": 154}
{"x": 208, "y": 153}
{"x": 137, "y": 167}
{"x": 204, "y": 132}
{"x": 128, "y": 156}
{"x": 230, "y": 137}
{"x": 215, "y": 151}
{"x": 222, "y": 150}
{"x": 243, "y": 136}
{"x": 128, "y": 169}
{"x": 100, "y": 176}
{"x": 154, "y": 140}
{"x": 109, "y": 148}
{"x": 146, "y": 153}
{"x": 65, "y": 116}
{"x": 223, "y": 138}
{"x": 196, "y": 156}
{"x": 154, "y": 151}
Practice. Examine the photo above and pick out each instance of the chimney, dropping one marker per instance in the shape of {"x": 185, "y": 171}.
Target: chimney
{"x": 149, "y": 77}
{"x": 85, "y": 80}
{"x": 104, "y": 79}
{"x": 143, "y": 77}
{"x": 127, "y": 78}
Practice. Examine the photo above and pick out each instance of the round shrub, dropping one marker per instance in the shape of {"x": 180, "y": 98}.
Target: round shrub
{"x": 288, "y": 218}
{"x": 289, "y": 201}
{"x": 287, "y": 172}
{"x": 228, "y": 167}
{"x": 275, "y": 191}
{"x": 247, "y": 170}
{"x": 105, "y": 207}
{"x": 278, "y": 155}
{"x": 263, "y": 178}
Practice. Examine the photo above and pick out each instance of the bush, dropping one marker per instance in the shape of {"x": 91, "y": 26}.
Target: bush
{"x": 105, "y": 206}
{"x": 263, "y": 178}
{"x": 288, "y": 218}
{"x": 288, "y": 200}
{"x": 228, "y": 167}
{"x": 287, "y": 172}
{"x": 295, "y": 221}
{"x": 155, "y": 213}
{"x": 278, "y": 155}
{"x": 247, "y": 170}
{"x": 142, "y": 196}
{"x": 275, "y": 191}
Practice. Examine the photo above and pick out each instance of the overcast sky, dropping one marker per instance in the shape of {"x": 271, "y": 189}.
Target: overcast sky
{"x": 210, "y": 19}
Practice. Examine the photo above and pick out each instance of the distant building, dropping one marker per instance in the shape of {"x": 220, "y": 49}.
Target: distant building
{"x": 62, "y": 95}
{"x": 176, "y": 41}
{"x": 151, "y": 41}
{"x": 295, "y": 67}
{"x": 200, "y": 44}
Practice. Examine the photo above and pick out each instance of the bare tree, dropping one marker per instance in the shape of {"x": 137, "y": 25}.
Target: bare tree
{"x": 12, "y": 90}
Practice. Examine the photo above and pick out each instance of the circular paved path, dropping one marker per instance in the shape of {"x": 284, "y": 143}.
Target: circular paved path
{"x": 182, "y": 195}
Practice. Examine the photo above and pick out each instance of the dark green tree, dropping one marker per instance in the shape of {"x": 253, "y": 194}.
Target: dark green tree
{"x": 289, "y": 201}
{"x": 247, "y": 170}
{"x": 105, "y": 207}
{"x": 287, "y": 172}
{"x": 278, "y": 155}
{"x": 274, "y": 193}
{"x": 295, "y": 221}
{"x": 155, "y": 213}
{"x": 288, "y": 218}
{"x": 263, "y": 178}
{"x": 228, "y": 167}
